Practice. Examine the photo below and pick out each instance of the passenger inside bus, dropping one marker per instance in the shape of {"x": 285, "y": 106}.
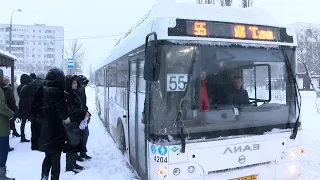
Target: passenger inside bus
{"x": 236, "y": 95}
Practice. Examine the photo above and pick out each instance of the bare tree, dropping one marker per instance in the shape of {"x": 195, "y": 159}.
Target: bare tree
{"x": 247, "y": 3}
{"x": 308, "y": 50}
{"x": 91, "y": 74}
{"x": 225, "y": 2}
{"x": 76, "y": 51}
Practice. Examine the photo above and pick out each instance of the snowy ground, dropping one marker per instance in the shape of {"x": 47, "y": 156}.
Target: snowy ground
{"x": 109, "y": 164}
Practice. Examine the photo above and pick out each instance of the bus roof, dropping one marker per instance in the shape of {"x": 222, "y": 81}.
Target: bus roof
{"x": 163, "y": 15}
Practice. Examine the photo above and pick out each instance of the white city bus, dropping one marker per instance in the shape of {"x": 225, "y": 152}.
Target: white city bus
{"x": 150, "y": 95}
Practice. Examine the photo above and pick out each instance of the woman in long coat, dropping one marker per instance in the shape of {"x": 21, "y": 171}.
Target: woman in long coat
{"x": 51, "y": 111}
{"x": 77, "y": 113}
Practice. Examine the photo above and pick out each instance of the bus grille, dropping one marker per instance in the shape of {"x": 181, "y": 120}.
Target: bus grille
{"x": 238, "y": 168}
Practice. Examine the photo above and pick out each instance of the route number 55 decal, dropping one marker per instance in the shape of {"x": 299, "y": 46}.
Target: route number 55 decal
{"x": 177, "y": 82}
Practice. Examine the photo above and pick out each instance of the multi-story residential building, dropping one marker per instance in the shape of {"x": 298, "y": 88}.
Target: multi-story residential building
{"x": 38, "y": 47}
{"x": 205, "y": 1}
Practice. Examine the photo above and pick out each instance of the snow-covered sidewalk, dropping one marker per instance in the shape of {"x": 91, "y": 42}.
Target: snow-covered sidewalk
{"x": 107, "y": 161}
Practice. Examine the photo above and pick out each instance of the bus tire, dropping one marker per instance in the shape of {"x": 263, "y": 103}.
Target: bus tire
{"x": 121, "y": 138}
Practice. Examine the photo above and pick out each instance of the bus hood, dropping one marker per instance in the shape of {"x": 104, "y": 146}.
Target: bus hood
{"x": 216, "y": 159}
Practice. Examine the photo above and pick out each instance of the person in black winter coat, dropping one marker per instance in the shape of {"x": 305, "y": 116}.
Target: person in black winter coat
{"x": 24, "y": 80}
{"x": 33, "y": 76}
{"x": 8, "y": 91}
{"x": 25, "y": 100}
{"x": 83, "y": 81}
{"x": 51, "y": 111}
{"x": 77, "y": 113}
{"x": 31, "y": 90}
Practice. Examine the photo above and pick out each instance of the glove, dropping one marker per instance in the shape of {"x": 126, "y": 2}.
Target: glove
{"x": 84, "y": 123}
{"x": 66, "y": 121}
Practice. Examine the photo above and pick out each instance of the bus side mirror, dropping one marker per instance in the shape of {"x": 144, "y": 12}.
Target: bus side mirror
{"x": 151, "y": 65}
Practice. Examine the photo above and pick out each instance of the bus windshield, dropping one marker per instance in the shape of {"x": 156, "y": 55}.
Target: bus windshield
{"x": 222, "y": 91}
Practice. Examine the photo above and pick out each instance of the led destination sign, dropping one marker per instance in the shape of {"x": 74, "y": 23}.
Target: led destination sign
{"x": 229, "y": 31}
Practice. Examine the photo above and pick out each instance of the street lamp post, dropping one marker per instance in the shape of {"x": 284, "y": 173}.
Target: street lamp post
{"x": 10, "y": 37}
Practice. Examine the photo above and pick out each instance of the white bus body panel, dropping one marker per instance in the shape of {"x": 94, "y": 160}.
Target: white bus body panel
{"x": 273, "y": 159}
{"x": 209, "y": 157}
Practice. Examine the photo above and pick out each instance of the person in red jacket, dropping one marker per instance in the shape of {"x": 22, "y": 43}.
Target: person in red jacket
{"x": 204, "y": 93}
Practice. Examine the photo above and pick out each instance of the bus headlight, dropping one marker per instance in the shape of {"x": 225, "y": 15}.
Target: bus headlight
{"x": 292, "y": 169}
{"x": 176, "y": 171}
{"x": 191, "y": 169}
{"x": 293, "y": 154}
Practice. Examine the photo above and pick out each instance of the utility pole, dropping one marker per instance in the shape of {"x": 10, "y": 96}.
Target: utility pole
{"x": 10, "y": 37}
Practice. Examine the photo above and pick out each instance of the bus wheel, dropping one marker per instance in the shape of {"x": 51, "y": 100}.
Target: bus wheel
{"x": 122, "y": 139}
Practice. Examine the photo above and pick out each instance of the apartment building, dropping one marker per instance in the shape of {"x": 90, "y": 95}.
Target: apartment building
{"x": 38, "y": 47}
{"x": 205, "y": 1}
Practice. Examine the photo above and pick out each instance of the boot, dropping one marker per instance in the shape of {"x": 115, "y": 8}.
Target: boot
{"x": 78, "y": 167}
{"x": 15, "y": 134}
{"x": 3, "y": 174}
{"x": 44, "y": 177}
{"x": 85, "y": 156}
{"x": 78, "y": 158}
{"x": 70, "y": 161}
{"x": 10, "y": 149}
{"x": 23, "y": 139}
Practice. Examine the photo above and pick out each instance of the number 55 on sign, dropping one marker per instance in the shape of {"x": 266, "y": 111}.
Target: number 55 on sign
{"x": 177, "y": 82}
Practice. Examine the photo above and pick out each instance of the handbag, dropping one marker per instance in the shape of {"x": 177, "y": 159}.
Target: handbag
{"x": 73, "y": 133}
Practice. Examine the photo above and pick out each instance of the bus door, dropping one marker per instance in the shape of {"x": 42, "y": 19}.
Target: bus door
{"x": 137, "y": 133}
{"x": 106, "y": 99}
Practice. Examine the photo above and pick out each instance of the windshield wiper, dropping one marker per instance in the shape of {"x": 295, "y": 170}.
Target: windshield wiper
{"x": 179, "y": 117}
{"x": 297, "y": 94}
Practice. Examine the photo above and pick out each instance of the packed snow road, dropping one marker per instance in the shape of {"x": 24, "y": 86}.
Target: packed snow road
{"x": 109, "y": 164}
{"x": 310, "y": 115}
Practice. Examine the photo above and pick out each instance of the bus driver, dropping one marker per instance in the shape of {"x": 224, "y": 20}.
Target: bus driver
{"x": 237, "y": 95}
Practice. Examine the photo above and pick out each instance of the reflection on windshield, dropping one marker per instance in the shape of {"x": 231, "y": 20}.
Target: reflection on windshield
{"x": 229, "y": 90}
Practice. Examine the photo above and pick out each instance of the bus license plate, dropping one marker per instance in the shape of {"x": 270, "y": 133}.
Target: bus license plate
{"x": 252, "y": 177}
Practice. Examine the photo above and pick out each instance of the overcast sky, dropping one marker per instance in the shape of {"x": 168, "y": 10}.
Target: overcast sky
{"x": 99, "y": 18}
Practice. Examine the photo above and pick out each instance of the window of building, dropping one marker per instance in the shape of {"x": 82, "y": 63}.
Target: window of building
{"x": 50, "y": 55}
